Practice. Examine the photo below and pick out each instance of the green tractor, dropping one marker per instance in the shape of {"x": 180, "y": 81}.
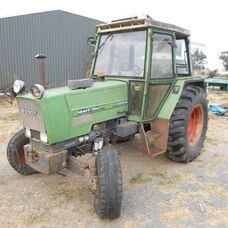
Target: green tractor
{"x": 141, "y": 82}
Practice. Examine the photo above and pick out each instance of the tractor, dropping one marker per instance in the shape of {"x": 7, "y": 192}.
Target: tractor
{"x": 141, "y": 82}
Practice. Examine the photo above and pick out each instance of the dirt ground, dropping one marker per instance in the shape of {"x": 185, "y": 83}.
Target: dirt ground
{"x": 157, "y": 192}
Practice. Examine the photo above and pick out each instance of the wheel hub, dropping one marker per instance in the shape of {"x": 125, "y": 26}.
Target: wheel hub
{"x": 195, "y": 126}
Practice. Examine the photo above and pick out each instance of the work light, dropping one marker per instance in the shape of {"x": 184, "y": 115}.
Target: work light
{"x": 37, "y": 90}
{"x": 43, "y": 137}
{"x": 18, "y": 86}
{"x": 28, "y": 132}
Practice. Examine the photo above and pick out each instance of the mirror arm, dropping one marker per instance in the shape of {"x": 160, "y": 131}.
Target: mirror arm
{"x": 91, "y": 41}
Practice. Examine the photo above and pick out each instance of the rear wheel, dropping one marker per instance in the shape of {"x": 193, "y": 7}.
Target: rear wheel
{"x": 15, "y": 154}
{"x": 188, "y": 125}
{"x": 108, "y": 196}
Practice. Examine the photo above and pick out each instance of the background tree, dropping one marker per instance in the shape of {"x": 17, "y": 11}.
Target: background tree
{"x": 198, "y": 59}
{"x": 223, "y": 56}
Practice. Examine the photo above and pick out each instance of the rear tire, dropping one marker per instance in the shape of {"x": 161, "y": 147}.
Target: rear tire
{"x": 188, "y": 125}
{"x": 108, "y": 198}
{"x": 15, "y": 154}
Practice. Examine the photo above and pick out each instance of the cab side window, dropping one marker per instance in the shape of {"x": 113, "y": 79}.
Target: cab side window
{"x": 162, "y": 63}
{"x": 182, "y": 66}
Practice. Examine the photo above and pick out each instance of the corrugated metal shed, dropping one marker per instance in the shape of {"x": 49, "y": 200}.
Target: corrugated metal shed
{"x": 60, "y": 35}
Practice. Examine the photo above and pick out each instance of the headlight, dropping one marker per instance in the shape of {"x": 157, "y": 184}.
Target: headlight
{"x": 28, "y": 132}
{"x": 18, "y": 86}
{"x": 37, "y": 90}
{"x": 43, "y": 137}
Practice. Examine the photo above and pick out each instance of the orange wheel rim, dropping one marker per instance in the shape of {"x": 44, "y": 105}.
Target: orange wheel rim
{"x": 195, "y": 126}
{"x": 22, "y": 155}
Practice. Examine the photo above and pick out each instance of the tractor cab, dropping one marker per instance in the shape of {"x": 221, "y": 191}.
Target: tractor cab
{"x": 149, "y": 55}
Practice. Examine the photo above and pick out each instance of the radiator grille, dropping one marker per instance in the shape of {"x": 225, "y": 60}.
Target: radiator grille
{"x": 35, "y": 134}
{"x": 30, "y": 115}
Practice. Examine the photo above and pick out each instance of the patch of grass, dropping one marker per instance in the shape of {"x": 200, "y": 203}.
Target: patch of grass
{"x": 10, "y": 116}
{"x": 203, "y": 150}
{"x": 139, "y": 179}
{"x": 211, "y": 141}
{"x": 166, "y": 180}
{"x": 91, "y": 211}
{"x": 178, "y": 212}
{"x": 70, "y": 193}
{"x": 197, "y": 160}
{"x": 14, "y": 116}
{"x": 31, "y": 218}
{"x": 67, "y": 193}
{"x": 75, "y": 210}
{"x": 216, "y": 155}
{"x": 223, "y": 97}
{"x": 161, "y": 175}
{"x": 209, "y": 203}
{"x": 169, "y": 181}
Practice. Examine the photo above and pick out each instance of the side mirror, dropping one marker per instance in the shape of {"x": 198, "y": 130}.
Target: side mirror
{"x": 163, "y": 43}
{"x": 172, "y": 43}
{"x": 91, "y": 41}
{"x": 187, "y": 41}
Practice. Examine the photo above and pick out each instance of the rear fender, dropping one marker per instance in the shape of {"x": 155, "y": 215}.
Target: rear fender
{"x": 196, "y": 82}
{"x": 175, "y": 94}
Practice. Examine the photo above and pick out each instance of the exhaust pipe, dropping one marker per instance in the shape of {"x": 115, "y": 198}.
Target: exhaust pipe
{"x": 42, "y": 78}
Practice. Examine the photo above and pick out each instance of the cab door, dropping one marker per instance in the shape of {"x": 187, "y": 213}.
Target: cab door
{"x": 162, "y": 74}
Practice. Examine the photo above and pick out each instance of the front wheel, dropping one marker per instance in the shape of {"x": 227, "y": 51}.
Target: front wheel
{"x": 188, "y": 125}
{"x": 108, "y": 197}
{"x": 15, "y": 154}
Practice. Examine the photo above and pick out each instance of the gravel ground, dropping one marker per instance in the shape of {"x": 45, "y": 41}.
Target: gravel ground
{"x": 157, "y": 192}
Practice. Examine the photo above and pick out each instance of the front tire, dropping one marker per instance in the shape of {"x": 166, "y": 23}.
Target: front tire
{"x": 188, "y": 125}
{"x": 15, "y": 154}
{"x": 108, "y": 198}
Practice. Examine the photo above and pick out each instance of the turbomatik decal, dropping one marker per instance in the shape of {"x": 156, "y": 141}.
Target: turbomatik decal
{"x": 120, "y": 103}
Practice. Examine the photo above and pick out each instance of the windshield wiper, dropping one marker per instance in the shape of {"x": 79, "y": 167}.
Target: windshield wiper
{"x": 102, "y": 45}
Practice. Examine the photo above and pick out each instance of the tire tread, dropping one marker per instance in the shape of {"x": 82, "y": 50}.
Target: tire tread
{"x": 108, "y": 204}
{"x": 177, "y": 149}
{"x": 18, "y": 140}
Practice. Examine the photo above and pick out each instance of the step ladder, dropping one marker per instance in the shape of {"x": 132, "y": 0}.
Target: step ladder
{"x": 155, "y": 140}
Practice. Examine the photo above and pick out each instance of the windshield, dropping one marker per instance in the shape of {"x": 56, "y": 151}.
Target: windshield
{"x": 121, "y": 54}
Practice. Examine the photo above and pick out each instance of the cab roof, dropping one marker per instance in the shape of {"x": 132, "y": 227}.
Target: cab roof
{"x": 135, "y": 22}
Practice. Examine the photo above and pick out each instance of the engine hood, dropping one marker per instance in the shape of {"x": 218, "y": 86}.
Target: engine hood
{"x": 67, "y": 113}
